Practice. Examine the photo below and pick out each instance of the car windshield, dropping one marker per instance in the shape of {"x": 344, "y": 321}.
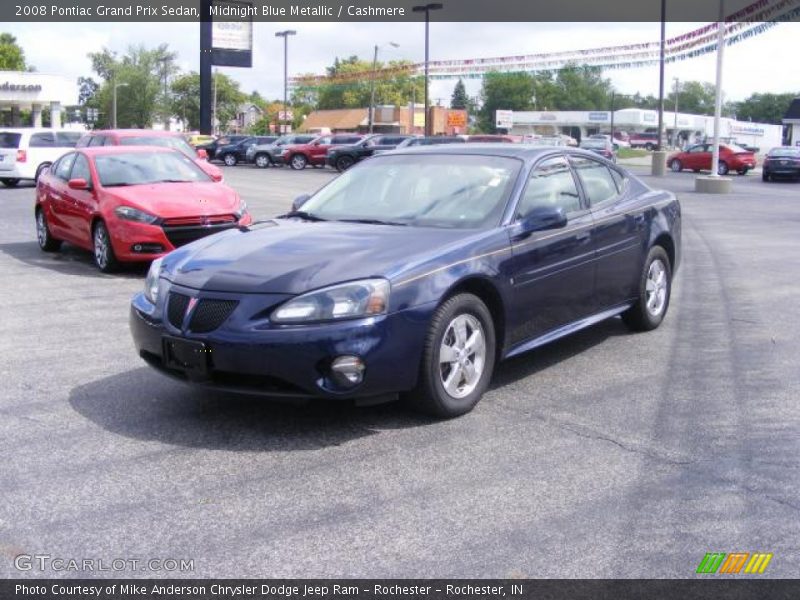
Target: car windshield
{"x": 735, "y": 148}
{"x": 167, "y": 141}
{"x": 448, "y": 191}
{"x": 790, "y": 152}
{"x": 138, "y": 168}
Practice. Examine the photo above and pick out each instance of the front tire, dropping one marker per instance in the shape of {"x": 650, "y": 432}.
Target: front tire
{"x": 676, "y": 165}
{"x": 46, "y": 240}
{"x": 10, "y": 181}
{"x": 298, "y": 162}
{"x": 103, "y": 251}
{"x": 764, "y": 176}
{"x": 655, "y": 286}
{"x": 262, "y": 161}
{"x": 230, "y": 160}
{"x": 344, "y": 162}
{"x": 458, "y": 358}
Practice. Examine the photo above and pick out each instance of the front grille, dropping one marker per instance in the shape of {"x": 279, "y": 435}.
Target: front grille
{"x": 210, "y": 314}
{"x": 176, "y": 309}
{"x": 181, "y": 234}
{"x": 199, "y": 221}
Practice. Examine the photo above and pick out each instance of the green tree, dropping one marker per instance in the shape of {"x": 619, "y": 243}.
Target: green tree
{"x": 695, "y": 97}
{"x": 141, "y": 100}
{"x": 504, "y": 91}
{"x": 459, "y": 99}
{"x": 12, "y": 56}
{"x": 580, "y": 88}
{"x": 763, "y": 108}
{"x": 186, "y": 98}
{"x": 397, "y": 89}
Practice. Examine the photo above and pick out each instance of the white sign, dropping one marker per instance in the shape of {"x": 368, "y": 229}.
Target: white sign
{"x": 286, "y": 115}
{"x": 232, "y": 35}
{"x": 504, "y": 119}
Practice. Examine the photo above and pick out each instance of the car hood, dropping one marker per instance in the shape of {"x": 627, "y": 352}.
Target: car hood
{"x": 292, "y": 257}
{"x": 178, "y": 199}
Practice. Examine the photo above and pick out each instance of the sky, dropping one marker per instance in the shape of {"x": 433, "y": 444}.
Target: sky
{"x": 759, "y": 64}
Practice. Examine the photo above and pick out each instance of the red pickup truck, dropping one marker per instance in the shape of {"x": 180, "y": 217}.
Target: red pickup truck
{"x": 648, "y": 141}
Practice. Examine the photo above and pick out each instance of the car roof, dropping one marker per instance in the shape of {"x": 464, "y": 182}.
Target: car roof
{"x": 101, "y": 150}
{"x": 136, "y": 132}
{"x": 521, "y": 151}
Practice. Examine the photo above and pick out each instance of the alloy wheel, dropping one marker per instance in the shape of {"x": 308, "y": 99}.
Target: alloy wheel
{"x": 462, "y": 355}
{"x": 101, "y": 246}
{"x": 656, "y": 287}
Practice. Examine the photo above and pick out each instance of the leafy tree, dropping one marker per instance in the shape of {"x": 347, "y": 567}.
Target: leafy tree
{"x": 695, "y": 97}
{"x": 398, "y": 89}
{"x": 504, "y": 91}
{"x": 142, "y": 98}
{"x": 764, "y": 108}
{"x": 580, "y": 88}
{"x": 186, "y": 98}
{"x": 12, "y": 56}
{"x": 459, "y": 99}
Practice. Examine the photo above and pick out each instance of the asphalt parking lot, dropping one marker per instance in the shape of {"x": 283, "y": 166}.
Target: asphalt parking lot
{"x": 607, "y": 454}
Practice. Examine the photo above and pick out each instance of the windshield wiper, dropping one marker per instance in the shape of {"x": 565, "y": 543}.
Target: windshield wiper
{"x": 373, "y": 222}
{"x": 301, "y": 214}
{"x": 118, "y": 184}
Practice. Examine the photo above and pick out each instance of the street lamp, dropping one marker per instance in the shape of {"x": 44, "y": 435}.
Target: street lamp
{"x": 165, "y": 62}
{"x": 114, "y": 104}
{"x": 285, "y": 35}
{"x": 372, "y": 85}
{"x": 427, "y": 8}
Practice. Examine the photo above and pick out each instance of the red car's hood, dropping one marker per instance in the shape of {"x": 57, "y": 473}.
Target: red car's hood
{"x": 178, "y": 199}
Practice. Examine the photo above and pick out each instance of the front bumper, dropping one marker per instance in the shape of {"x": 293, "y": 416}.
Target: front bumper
{"x": 248, "y": 355}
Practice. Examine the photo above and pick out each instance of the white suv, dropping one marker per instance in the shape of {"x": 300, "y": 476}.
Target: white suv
{"x": 26, "y": 152}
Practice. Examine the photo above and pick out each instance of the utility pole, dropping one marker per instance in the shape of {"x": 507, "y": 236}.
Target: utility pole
{"x": 206, "y": 123}
{"x": 214, "y": 124}
{"x": 285, "y": 35}
{"x": 427, "y": 8}
{"x": 613, "y": 96}
{"x": 675, "y": 127}
{"x": 372, "y": 85}
{"x": 718, "y": 99}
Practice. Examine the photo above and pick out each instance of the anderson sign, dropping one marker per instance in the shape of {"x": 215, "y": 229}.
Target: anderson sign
{"x": 16, "y": 87}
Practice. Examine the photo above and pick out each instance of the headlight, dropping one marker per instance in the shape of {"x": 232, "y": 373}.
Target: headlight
{"x": 151, "y": 281}
{"x": 134, "y": 214}
{"x": 363, "y": 298}
{"x": 240, "y": 212}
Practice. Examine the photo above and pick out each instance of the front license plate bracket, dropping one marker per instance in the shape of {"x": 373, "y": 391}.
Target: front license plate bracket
{"x": 188, "y": 356}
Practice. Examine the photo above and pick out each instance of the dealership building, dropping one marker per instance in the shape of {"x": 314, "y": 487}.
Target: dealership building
{"x": 32, "y": 92}
{"x": 689, "y": 128}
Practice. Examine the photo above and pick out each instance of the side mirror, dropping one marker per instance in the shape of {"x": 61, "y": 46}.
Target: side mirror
{"x": 201, "y": 153}
{"x": 299, "y": 201}
{"x": 216, "y": 176}
{"x": 542, "y": 218}
{"x": 78, "y": 184}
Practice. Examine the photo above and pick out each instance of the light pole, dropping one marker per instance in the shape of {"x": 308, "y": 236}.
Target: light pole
{"x": 114, "y": 104}
{"x": 372, "y": 85}
{"x": 675, "y": 126}
{"x": 285, "y": 35}
{"x": 165, "y": 62}
{"x": 427, "y": 8}
{"x": 718, "y": 99}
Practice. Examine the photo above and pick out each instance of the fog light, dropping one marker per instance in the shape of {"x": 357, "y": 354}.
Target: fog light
{"x": 348, "y": 370}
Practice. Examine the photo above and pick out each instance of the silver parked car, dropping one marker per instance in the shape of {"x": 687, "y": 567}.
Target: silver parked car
{"x": 269, "y": 155}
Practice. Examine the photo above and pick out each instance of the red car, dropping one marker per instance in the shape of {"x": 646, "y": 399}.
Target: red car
{"x": 150, "y": 137}
{"x": 131, "y": 203}
{"x": 298, "y": 156}
{"x": 698, "y": 158}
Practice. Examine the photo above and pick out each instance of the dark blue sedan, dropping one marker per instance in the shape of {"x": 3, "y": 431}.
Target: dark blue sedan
{"x": 414, "y": 273}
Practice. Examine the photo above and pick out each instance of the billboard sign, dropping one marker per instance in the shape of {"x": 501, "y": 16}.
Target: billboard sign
{"x": 231, "y": 35}
{"x": 504, "y": 119}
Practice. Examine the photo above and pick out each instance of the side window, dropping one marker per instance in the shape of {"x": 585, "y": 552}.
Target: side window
{"x": 65, "y": 166}
{"x": 80, "y": 169}
{"x": 108, "y": 141}
{"x": 596, "y": 179}
{"x": 68, "y": 139}
{"x": 45, "y": 139}
{"x": 325, "y": 141}
{"x": 550, "y": 184}
{"x": 619, "y": 179}
{"x": 96, "y": 140}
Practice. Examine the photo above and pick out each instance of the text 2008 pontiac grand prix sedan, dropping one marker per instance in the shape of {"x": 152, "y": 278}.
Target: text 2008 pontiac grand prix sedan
{"x": 414, "y": 273}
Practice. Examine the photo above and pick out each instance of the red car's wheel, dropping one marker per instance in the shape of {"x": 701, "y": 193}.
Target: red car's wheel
{"x": 104, "y": 256}
{"x": 675, "y": 165}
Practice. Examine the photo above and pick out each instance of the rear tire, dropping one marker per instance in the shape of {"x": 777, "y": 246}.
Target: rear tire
{"x": 46, "y": 240}
{"x": 9, "y": 181}
{"x": 457, "y": 358}
{"x": 649, "y": 147}
{"x": 103, "y": 251}
{"x": 298, "y": 162}
{"x": 676, "y": 165}
{"x": 262, "y": 161}
{"x": 655, "y": 286}
{"x": 722, "y": 168}
{"x": 230, "y": 160}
